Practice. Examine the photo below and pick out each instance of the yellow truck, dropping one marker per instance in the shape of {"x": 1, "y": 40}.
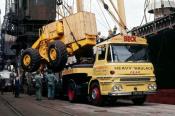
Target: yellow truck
{"x": 121, "y": 70}
{"x": 115, "y": 68}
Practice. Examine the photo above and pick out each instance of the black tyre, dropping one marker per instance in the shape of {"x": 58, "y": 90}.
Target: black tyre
{"x": 57, "y": 54}
{"x": 139, "y": 100}
{"x": 30, "y": 60}
{"x": 95, "y": 95}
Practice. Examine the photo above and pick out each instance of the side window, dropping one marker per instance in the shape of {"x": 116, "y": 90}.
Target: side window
{"x": 101, "y": 53}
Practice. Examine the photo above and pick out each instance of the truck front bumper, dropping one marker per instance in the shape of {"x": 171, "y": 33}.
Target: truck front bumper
{"x": 131, "y": 93}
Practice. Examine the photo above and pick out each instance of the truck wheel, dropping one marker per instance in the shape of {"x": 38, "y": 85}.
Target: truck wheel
{"x": 95, "y": 95}
{"x": 71, "y": 91}
{"x": 57, "y": 54}
{"x": 30, "y": 60}
{"x": 139, "y": 100}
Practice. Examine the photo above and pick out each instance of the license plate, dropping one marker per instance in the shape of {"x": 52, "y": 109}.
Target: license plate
{"x": 137, "y": 93}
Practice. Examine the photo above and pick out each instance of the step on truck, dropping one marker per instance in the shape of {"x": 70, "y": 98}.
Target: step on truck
{"x": 115, "y": 68}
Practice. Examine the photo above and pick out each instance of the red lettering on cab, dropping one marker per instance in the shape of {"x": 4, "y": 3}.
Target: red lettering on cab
{"x": 129, "y": 38}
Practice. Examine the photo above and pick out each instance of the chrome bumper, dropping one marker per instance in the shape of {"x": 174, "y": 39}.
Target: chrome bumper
{"x": 131, "y": 93}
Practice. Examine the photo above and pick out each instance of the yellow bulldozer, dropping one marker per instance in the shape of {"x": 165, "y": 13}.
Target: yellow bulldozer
{"x": 73, "y": 35}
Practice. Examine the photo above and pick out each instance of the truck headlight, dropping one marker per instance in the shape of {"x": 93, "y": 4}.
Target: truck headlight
{"x": 152, "y": 87}
{"x": 117, "y": 88}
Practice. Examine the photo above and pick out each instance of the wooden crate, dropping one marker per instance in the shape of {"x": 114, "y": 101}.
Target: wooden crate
{"x": 79, "y": 24}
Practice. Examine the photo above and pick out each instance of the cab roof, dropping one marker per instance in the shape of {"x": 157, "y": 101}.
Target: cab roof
{"x": 124, "y": 39}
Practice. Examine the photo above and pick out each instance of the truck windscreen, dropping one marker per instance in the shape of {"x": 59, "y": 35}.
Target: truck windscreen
{"x": 126, "y": 53}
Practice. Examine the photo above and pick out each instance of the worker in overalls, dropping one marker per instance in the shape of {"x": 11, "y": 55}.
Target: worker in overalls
{"x": 51, "y": 78}
{"x": 38, "y": 85}
{"x": 12, "y": 78}
{"x": 17, "y": 84}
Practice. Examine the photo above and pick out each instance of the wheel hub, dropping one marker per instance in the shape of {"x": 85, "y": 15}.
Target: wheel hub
{"x": 94, "y": 94}
{"x": 26, "y": 60}
{"x": 53, "y": 54}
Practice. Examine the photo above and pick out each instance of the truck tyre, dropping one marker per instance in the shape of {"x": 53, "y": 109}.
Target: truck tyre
{"x": 71, "y": 91}
{"x": 57, "y": 54}
{"x": 139, "y": 100}
{"x": 30, "y": 60}
{"x": 95, "y": 95}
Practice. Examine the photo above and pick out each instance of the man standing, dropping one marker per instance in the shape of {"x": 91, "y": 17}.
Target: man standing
{"x": 51, "y": 84}
{"x": 2, "y": 86}
{"x": 12, "y": 78}
{"x": 17, "y": 86}
{"x": 38, "y": 85}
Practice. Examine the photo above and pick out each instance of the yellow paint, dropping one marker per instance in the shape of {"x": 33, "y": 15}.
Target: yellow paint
{"x": 77, "y": 71}
{"x": 101, "y": 70}
{"x": 120, "y": 39}
{"x": 73, "y": 47}
{"x": 127, "y": 87}
{"x": 55, "y": 31}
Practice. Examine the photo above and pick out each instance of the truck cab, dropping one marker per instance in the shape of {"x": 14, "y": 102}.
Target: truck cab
{"x": 122, "y": 69}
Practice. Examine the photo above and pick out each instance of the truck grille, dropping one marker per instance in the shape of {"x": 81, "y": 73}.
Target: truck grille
{"x": 135, "y": 79}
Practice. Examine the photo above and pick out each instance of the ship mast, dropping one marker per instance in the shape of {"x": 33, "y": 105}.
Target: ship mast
{"x": 80, "y": 5}
{"x": 120, "y": 13}
{"x": 122, "y": 16}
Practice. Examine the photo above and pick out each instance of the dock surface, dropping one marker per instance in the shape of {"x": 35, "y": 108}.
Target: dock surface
{"x": 27, "y": 106}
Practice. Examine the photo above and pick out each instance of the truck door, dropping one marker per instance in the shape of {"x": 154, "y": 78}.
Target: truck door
{"x": 100, "y": 62}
